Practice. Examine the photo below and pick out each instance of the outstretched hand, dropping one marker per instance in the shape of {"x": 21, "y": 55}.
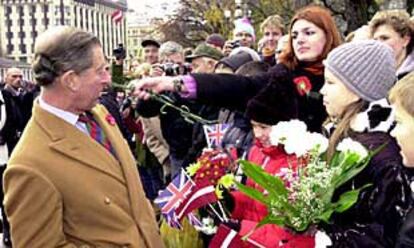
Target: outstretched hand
{"x": 154, "y": 84}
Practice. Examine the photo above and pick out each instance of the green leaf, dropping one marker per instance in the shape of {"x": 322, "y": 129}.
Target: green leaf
{"x": 348, "y": 199}
{"x": 336, "y": 158}
{"x": 253, "y": 193}
{"x": 349, "y": 173}
{"x": 270, "y": 219}
{"x": 273, "y": 185}
{"x": 325, "y": 216}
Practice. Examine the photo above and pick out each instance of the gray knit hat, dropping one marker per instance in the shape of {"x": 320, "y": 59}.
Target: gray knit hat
{"x": 366, "y": 67}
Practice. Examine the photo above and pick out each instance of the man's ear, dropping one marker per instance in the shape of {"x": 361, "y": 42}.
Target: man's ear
{"x": 70, "y": 81}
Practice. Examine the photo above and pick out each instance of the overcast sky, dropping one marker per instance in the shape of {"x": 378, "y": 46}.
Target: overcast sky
{"x": 135, "y": 4}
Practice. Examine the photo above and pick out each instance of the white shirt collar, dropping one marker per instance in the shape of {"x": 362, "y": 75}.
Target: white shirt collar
{"x": 69, "y": 117}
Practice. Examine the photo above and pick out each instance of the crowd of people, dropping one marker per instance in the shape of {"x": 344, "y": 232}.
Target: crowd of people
{"x": 83, "y": 161}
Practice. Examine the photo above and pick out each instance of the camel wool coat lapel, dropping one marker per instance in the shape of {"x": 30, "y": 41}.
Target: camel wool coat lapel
{"x": 64, "y": 189}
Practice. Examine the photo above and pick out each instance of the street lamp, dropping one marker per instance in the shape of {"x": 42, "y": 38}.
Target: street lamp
{"x": 241, "y": 10}
{"x": 227, "y": 14}
{"x": 238, "y": 12}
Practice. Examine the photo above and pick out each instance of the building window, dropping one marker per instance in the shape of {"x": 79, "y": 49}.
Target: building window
{"x": 10, "y": 48}
{"x": 67, "y": 22}
{"x": 57, "y": 10}
{"x": 76, "y": 15}
{"x": 86, "y": 19}
{"x": 67, "y": 10}
{"x": 8, "y": 22}
{"x": 98, "y": 24}
{"x": 22, "y": 34}
{"x": 22, "y": 48}
{"x": 34, "y": 34}
{"x": 81, "y": 18}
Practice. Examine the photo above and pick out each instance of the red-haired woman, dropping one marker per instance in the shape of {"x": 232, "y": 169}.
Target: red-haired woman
{"x": 298, "y": 77}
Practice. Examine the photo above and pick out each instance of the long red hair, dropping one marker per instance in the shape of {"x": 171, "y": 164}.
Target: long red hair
{"x": 322, "y": 18}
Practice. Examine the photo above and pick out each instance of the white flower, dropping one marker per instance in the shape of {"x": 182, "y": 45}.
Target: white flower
{"x": 290, "y": 134}
{"x": 286, "y": 129}
{"x": 317, "y": 142}
{"x": 208, "y": 226}
{"x": 351, "y": 146}
{"x": 295, "y": 138}
{"x": 295, "y": 144}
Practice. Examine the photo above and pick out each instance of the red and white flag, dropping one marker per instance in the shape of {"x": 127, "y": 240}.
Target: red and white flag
{"x": 226, "y": 238}
{"x": 200, "y": 196}
{"x": 117, "y": 16}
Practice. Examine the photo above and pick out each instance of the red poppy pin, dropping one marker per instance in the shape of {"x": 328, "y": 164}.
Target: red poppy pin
{"x": 110, "y": 119}
{"x": 303, "y": 85}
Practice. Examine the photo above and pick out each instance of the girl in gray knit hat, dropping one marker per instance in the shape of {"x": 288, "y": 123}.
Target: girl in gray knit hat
{"x": 358, "y": 76}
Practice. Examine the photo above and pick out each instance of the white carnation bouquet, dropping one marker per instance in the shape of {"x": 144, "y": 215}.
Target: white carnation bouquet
{"x": 299, "y": 197}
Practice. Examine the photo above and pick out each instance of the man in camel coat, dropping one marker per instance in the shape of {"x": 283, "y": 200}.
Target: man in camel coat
{"x": 71, "y": 181}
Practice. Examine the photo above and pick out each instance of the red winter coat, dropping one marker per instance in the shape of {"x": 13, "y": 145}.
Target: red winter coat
{"x": 249, "y": 212}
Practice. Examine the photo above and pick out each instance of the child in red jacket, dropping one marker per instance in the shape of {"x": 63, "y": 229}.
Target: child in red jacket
{"x": 273, "y": 159}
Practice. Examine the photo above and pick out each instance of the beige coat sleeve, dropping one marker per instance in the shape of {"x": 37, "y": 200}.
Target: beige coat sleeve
{"x": 33, "y": 224}
{"x": 154, "y": 139}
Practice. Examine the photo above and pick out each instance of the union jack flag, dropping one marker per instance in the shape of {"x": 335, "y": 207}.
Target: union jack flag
{"x": 170, "y": 198}
{"x": 215, "y": 133}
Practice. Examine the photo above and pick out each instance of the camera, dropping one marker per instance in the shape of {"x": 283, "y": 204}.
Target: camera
{"x": 119, "y": 52}
{"x": 235, "y": 44}
{"x": 172, "y": 69}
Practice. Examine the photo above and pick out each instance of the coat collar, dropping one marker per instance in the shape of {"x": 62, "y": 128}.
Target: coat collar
{"x": 67, "y": 139}
{"x": 378, "y": 117}
{"x": 72, "y": 142}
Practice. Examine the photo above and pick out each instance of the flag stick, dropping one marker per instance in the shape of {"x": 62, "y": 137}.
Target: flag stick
{"x": 215, "y": 212}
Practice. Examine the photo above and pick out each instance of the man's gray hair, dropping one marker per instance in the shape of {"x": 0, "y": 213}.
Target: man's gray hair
{"x": 61, "y": 49}
{"x": 170, "y": 47}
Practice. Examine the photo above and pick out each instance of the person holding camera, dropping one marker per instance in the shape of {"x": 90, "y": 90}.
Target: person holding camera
{"x": 150, "y": 51}
{"x": 172, "y": 61}
{"x": 117, "y": 67}
{"x": 243, "y": 36}
{"x": 176, "y": 131}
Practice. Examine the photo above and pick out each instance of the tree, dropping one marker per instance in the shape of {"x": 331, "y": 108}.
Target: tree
{"x": 353, "y": 13}
{"x": 196, "y": 19}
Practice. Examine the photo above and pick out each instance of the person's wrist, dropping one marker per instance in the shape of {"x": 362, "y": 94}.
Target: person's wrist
{"x": 178, "y": 84}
